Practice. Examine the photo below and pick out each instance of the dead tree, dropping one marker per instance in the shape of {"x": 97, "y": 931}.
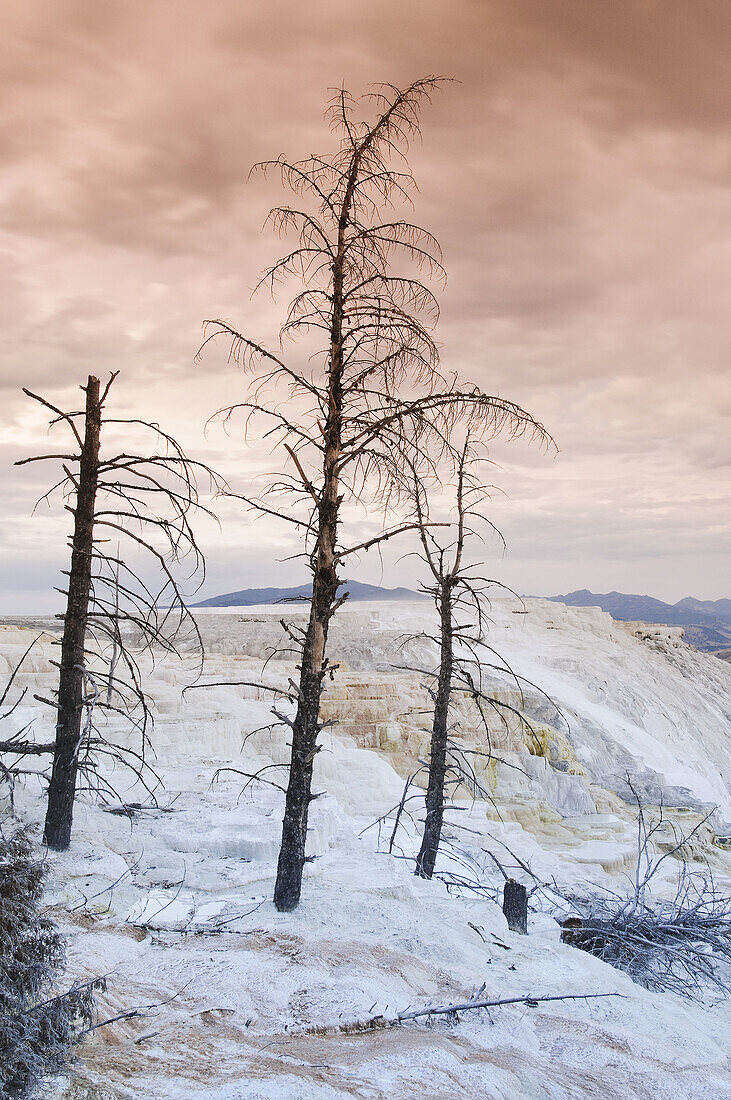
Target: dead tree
{"x": 146, "y": 501}
{"x": 452, "y": 588}
{"x": 460, "y": 596}
{"x": 373, "y": 393}
{"x": 62, "y": 787}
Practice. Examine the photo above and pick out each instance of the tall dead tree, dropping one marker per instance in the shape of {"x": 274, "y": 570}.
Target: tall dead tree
{"x": 373, "y": 392}
{"x": 144, "y": 500}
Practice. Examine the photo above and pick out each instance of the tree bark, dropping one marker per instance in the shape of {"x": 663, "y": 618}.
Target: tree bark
{"x": 438, "y": 751}
{"x": 306, "y": 724}
{"x": 305, "y": 730}
{"x": 515, "y": 906}
{"x": 62, "y": 787}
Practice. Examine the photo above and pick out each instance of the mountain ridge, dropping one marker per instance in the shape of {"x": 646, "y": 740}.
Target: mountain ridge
{"x": 706, "y": 623}
{"x": 248, "y": 597}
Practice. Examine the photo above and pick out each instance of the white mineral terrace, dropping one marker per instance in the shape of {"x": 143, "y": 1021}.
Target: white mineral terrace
{"x": 140, "y": 895}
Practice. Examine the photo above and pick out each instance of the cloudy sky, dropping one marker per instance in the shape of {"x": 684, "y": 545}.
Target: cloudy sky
{"x": 577, "y": 175}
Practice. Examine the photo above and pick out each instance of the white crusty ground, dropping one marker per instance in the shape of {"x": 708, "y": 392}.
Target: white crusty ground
{"x": 138, "y": 899}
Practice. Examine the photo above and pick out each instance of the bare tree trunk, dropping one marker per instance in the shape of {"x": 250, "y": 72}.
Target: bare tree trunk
{"x": 438, "y": 751}
{"x": 116, "y": 646}
{"x": 62, "y": 787}
{"x": 306, "y": 727}
{"x": 306, "y": 724}
{"x": 515, "y": 906}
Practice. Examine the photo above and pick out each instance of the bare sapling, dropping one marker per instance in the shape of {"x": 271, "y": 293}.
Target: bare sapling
{"x": 460, "y": 595}
{"x": 146, "y": 501}
{"x": 371, "y": 395}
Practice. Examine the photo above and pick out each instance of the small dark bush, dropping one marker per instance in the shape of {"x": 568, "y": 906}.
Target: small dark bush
{"x": 39, "y": 1025}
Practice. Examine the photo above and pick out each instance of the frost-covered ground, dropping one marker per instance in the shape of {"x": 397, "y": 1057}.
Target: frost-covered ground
{"x": 173, "y": 903}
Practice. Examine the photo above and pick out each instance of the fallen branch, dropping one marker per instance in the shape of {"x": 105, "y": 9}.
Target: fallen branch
{"x": 442, "y": 1010}
{"x": 134, "y": 1013}
{"x": 371, "y": 1023}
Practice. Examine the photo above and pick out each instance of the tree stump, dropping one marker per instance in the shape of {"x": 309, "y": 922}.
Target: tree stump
{"x": 515, "y": 906}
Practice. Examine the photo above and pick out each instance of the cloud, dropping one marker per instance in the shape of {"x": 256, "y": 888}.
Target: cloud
{"x": 577, "y": 178}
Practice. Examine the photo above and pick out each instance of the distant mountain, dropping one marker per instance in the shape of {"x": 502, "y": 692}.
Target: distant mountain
{"x": 706, "y": 623}
{"x": 247, "y": 597}
{"x": 719, "y": 609}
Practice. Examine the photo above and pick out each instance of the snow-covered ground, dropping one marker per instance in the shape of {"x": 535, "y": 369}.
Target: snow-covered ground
{"x": 174, "y": 903}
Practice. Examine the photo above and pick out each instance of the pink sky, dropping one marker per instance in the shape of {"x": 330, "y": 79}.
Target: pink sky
{"x": 578, "y": 178}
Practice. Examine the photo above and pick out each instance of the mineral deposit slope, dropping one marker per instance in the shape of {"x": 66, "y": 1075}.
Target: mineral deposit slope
{"x": 172, "y": 901}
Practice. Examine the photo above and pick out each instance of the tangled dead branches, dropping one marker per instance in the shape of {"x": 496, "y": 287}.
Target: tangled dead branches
{"x": 681, "y": 944}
